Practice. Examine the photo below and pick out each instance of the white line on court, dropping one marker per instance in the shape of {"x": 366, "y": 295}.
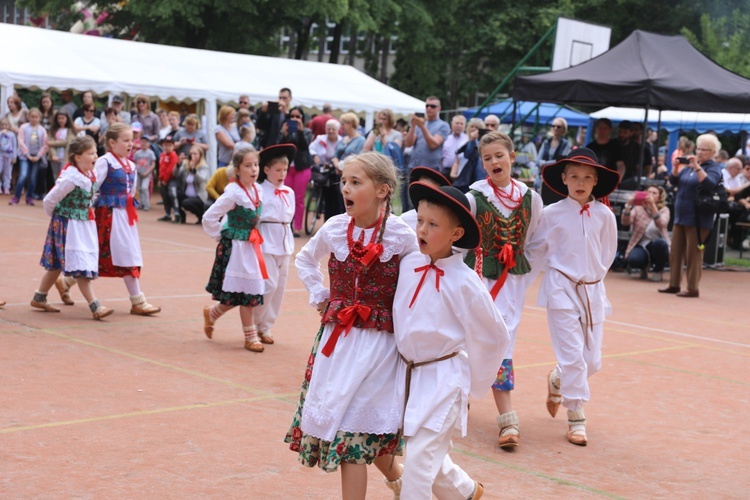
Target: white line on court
{"x": 660, "y": 330}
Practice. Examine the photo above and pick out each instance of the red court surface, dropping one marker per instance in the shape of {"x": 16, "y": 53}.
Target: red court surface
{"x": 134, "y": 407}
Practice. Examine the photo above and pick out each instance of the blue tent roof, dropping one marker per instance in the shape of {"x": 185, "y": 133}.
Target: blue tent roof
{"x": 544, "y": 113}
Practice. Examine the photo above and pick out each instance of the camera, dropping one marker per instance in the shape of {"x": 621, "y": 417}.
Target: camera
{"x": 419, "y": 115}
{"x": 682, "y": 160}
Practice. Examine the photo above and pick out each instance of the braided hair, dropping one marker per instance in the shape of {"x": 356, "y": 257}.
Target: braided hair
{"x": 381, "y": 169}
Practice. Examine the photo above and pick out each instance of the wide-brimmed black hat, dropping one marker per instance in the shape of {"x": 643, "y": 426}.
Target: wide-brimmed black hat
{"x": 419, "y": 172}
{"x": 275, "y": 151}
{"x": 607, "y": 179}
{"x": 456, "y": 201}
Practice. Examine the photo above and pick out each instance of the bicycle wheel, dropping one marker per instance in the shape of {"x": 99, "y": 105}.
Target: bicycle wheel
{"x": 311, "y": 208}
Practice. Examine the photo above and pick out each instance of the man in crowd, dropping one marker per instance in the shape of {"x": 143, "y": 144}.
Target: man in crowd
{"x": 734, "y": 181}
{"x": 117, "y": 106}
{"x": 318, "y": 124}
{"x": 426, "y": 137}
{"x": 492, "y": 122}
{"x": 455, "y": 140}
{"x": 608, "y": 151}
{"x": 630, "y": 136}
{"x": 270, "y": 120}
{"x": 68, "y": 105}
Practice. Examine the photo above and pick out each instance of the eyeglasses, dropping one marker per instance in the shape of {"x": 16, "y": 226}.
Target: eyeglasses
{"x": 284, "y": 98}
{"x": 493, "y": 125}
{"x": 88, "y": 110}
{"x": 432, "y": 106}
{"x": 295, "y": 116}
{"x": 244, "y": 102}
{"x": 140, "y": 101}
{"x": 703, "y": 149}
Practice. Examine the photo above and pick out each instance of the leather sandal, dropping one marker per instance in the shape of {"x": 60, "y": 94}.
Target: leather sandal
{"x": 64, "y": 292}
{"x": 102, "y": 312}
{"x": 45, "y": 306}
{"x": 577, "y": 437}
{"x": 265, "y": 338}
{"x": 254, "y": 346}
{"x": 478, "y": 491}
{"x": 208, "y": 325}
{"x": 554, "y": 398}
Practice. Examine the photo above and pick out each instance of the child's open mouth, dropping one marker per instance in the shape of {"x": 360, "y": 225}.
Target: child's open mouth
{"x": 497, "y": 170}
{"x": 422, "y": 242}
{"x": 348, "y": 203}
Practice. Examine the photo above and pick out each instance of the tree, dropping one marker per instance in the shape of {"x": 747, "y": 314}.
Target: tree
{"x": 725, "y": 40}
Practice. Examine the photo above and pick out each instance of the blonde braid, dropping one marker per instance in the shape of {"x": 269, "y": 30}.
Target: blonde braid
{"x": 386, "y": 214}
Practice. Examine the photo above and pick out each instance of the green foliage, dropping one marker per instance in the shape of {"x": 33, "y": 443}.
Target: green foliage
{"x": 725, "y": 40}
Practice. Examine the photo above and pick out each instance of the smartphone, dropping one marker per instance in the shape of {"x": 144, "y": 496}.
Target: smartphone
{"x": 681, "y": 160}
{"x": 291, "y": 126}
{"x": 273, "y": 107}
{"x": 419, "y": 115}
{"x": 640, "y": 196}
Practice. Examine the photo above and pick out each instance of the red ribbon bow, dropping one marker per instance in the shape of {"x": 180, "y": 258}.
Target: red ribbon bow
{"x": 256, "y": 239}
{"x": 282, "y": 192}
{"x": 130, "y": 208}
{"x": 508, "y": 259}
{"x": 372, "y": 252}
{"x": 585, "y": 209}
{"x": 424, "y": 270}
{"x": 347, "y": 316}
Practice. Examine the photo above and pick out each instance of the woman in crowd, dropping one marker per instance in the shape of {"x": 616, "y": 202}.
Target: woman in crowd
{"x": 47, "y": 110}
{"x": 685, "y": 147}
{"x": 147, "y": 118}
{"x": 218, "y": 182}
{"x": 245, "y": 119}
{"x": 688, "y": 225}
{"x": 323, "y": 147}
{"x": 299, "y": 172}
{"x": 351, "y": 144}
{"x": 226, "y": 134}
{"x": 554, "y": 147}
{"x": 16, "y": 115}
{"x": 649, "y": 241}
{"x": 32, "y": 148}
{"x": 191, "y": 184}
{"x": 383, "y": 133}
{"x": 467, "y": 169}
{"x": 60, "y": 134}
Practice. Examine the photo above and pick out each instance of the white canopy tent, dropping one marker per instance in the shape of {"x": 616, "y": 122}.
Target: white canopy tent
{"x": 680, "y": 120}
{"x": 47, "y": 59}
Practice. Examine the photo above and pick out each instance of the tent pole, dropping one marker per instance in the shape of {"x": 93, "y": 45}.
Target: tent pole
{"x": 658, "y": 147}
{"x": 513, "y": 121}
{"x": 639, "y": 172}
{"x": 5, "y": 92}
{"x": 210, "y": 114}
{"x": 369, "y": 120}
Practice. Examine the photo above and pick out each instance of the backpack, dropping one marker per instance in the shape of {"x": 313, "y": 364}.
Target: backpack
{"x": 395, "y": 154}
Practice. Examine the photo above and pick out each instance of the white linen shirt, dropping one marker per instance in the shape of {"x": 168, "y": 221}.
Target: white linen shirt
{"x": 276, "y": 218}
{"x": 459, "y": 316}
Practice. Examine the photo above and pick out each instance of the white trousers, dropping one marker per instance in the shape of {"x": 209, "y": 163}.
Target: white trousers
{"x": 277, "y": 267}
{"x": 575, "y": 361}
{"x": 429, "y": 470}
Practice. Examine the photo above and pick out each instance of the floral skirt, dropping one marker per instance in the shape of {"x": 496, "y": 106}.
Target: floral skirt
{"x": 53, "y": 256}
{"x": 106, "y": 267}
{"x": 216, "y": 280}
{"x": 505, "y": 380}
{"x": 348, "y": 447}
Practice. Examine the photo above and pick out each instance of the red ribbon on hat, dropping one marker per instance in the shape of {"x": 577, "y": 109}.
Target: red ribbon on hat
{"x": 508, "y": 259}
{"x": 424, "y": 270}
{"x": 256, "y": 239}
{"x": 347, "y": 316}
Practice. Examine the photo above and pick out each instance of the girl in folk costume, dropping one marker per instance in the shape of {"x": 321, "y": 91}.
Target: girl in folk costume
{"x": 239, "y": 270}
{"x": 72, "y": 246}
{"x": 349, "y": 411}
{"x": 116, "y": 217}
{"x": 278, "y": 240}
{"x": 508, "y": 213}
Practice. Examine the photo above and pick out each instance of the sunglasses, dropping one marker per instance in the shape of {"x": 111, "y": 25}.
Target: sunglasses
{"x": 140, "y": 102}
{"x": 244, "y": 102}
{"x": 557, "y": 126}
{"x": 433, "y": 106}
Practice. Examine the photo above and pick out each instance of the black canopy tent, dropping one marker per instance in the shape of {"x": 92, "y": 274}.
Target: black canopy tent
{"x": 645, "y": 70}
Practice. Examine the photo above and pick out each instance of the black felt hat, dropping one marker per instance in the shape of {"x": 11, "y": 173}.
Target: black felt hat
{"x": 456, "y": 202}
{"x": 419, "y": 172}
{"x": 275, "y": 151}
{"x": 607, "y": 179}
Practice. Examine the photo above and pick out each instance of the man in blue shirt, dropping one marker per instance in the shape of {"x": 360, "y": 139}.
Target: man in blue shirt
{"x": 426, "y": 135}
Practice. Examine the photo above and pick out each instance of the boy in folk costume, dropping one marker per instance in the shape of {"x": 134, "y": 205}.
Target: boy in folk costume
{"x": 447, "y": 354}
{"x": 575, "y": 244}
{"x": 275, "y": 228}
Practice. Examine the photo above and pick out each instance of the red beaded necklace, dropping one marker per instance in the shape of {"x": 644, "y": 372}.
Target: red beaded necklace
{"x": 356, "y": 249}
{"x": 511, "y": 203}
{"x": 255, "y": 201}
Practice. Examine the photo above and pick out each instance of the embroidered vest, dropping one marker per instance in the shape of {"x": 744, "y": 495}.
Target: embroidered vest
{"x": 375, "y": 289}
{"x": 113, "y": 192}
{"x": 240, "y": 221}
{"x": 75, "y": 205}
{"x": 496, "y": 231}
